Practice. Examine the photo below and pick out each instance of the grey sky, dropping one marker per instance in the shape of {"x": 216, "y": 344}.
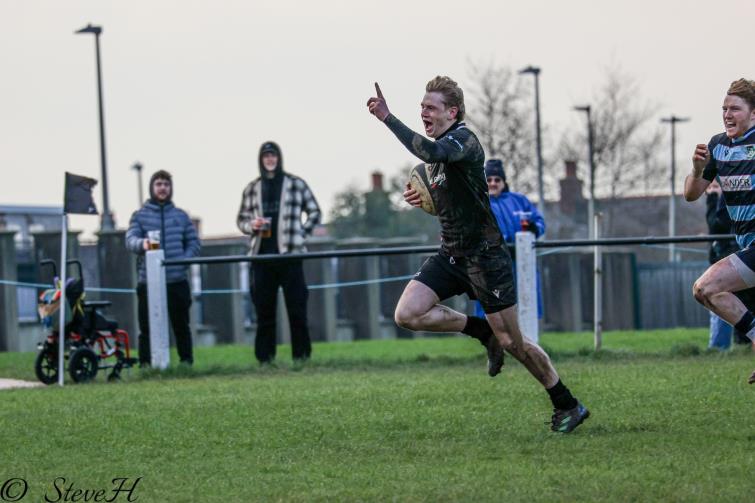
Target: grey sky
{"x": 195, "y": 87}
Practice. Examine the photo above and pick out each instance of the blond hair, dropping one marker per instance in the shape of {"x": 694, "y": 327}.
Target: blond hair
{"x": 453, "y": 96}
{"x": 745, "y": 89}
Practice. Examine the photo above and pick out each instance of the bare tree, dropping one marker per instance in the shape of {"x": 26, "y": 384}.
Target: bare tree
{"x": 625, "y": 142}
{"x": 650, "y": 154}
{"x": 502, "y": 116}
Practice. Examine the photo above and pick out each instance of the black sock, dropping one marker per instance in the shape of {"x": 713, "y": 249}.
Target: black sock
{"x": 561, "y": 397}
{"x": 478, "y": 328}
{"x": 745, "y": 324}
{"x": 741, "y": 338}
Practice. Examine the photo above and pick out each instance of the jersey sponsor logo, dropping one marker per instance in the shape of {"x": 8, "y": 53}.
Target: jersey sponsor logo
{"x": 733, "y": 154}
{"x": 439, "y": 179}
{"x": 736, "y": 183}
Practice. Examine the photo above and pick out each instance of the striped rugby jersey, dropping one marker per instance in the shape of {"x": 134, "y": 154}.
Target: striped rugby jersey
{"x": 733, "y": 163}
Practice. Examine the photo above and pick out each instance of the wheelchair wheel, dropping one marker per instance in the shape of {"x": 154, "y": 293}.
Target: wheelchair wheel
{"x": 83, "y": 365}
{"x": 46, "y": 366}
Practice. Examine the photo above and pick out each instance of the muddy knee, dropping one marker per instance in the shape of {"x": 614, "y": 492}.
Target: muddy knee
{"x": 702, "y": 292}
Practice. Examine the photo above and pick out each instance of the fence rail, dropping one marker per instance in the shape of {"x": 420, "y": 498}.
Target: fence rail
{"x": 403, "y": 250}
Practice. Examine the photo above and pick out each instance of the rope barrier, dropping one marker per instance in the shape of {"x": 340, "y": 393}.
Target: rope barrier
{"x": 111, "y": 290}
{"x": 559, "y": 243}
{"x": 659, "y": 246}
{"x": 47, "y": 286}
{"x": 680, "y": 249}
{"x": 551, "y": 252}
{"x": 359, "y": 283}
{"x": 221, "y": 291}
{"x": 29, "y": 285}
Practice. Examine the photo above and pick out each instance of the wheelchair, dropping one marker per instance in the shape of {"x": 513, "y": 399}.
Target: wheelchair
{"x": 91, "y": 341}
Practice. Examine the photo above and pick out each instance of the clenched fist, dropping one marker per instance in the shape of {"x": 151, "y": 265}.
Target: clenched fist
{"x": 700, "y": 159}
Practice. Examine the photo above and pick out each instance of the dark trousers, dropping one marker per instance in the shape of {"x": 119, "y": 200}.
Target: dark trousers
{"x": 265, "y": 282}
{"x": 179, "y": 302}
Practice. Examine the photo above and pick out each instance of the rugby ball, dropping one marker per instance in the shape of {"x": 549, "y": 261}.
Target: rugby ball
{"x": 419, "y": 181}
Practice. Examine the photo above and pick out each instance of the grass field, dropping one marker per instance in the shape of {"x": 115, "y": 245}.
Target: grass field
{"x": 410, "y": 420}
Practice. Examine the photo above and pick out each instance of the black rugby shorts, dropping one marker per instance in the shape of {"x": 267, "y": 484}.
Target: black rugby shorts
{"x": 486, "y": 276}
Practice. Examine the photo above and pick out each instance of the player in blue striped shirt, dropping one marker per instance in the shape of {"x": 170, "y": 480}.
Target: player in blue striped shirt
{"x": 730, "y": 157}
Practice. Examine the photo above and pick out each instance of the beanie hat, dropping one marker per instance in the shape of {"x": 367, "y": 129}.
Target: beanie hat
{"x": 494, "y": 167}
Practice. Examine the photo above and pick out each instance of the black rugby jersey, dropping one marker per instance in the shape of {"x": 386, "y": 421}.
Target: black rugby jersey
{"x": 457, "y": 185}
{"x": 733, "y": 162}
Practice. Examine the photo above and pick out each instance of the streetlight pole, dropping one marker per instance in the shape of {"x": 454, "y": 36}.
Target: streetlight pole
{"x": 107, "y": 217}
{"x": 535, "y": 71}
{"x": 138, "y": 168}
{"x": 591, "y": 153}
{"x": 672, "y": 199}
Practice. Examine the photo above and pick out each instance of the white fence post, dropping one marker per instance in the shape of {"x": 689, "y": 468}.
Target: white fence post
{"x": 598, "y": 286}
{"x": 526, "y": 284}
{"x": 157, "y": 295}
{"x": 63, "y": 300}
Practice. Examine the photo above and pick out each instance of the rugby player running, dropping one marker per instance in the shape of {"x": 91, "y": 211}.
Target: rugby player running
{"x": 730, "y": 156}
{"x": 472, "y": 258}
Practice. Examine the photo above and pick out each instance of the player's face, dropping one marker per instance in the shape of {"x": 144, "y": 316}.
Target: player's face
{"x": 495, "y": 185}
{"x": 435, "y": 116}
{"x": 269, "y": 161}
{"x": 738, "y": 116}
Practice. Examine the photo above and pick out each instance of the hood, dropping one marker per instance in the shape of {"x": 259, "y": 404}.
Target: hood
{"x": 270, "y": 146}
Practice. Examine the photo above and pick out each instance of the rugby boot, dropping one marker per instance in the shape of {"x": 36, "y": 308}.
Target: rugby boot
{"x": 564, "y": 421}
{"x": 495, "y": 356}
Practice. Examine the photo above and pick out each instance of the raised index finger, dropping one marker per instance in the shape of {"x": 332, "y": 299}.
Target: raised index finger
{"x": 379, "y": 92}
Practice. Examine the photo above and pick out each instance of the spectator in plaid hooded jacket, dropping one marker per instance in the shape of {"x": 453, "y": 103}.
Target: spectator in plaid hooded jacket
{"x": 271, "y": 212}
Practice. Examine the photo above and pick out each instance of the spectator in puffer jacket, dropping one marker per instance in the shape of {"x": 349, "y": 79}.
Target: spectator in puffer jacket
{"x": 178, "y": 239}
{"x": 278, "y": 211}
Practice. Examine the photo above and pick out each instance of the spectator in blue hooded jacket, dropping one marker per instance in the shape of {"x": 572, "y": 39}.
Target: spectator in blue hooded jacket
{"x": 513, "y": 212}
{"x": 178, "y": 239}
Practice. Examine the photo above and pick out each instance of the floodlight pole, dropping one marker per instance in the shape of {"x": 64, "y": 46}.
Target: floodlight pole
{"x": 535, "y": 71}
{"x": 140, "y": 190}
{"x": 672, "y": 199}
{"x": 591, "y": 154}
{"x": 107, "y": 217}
